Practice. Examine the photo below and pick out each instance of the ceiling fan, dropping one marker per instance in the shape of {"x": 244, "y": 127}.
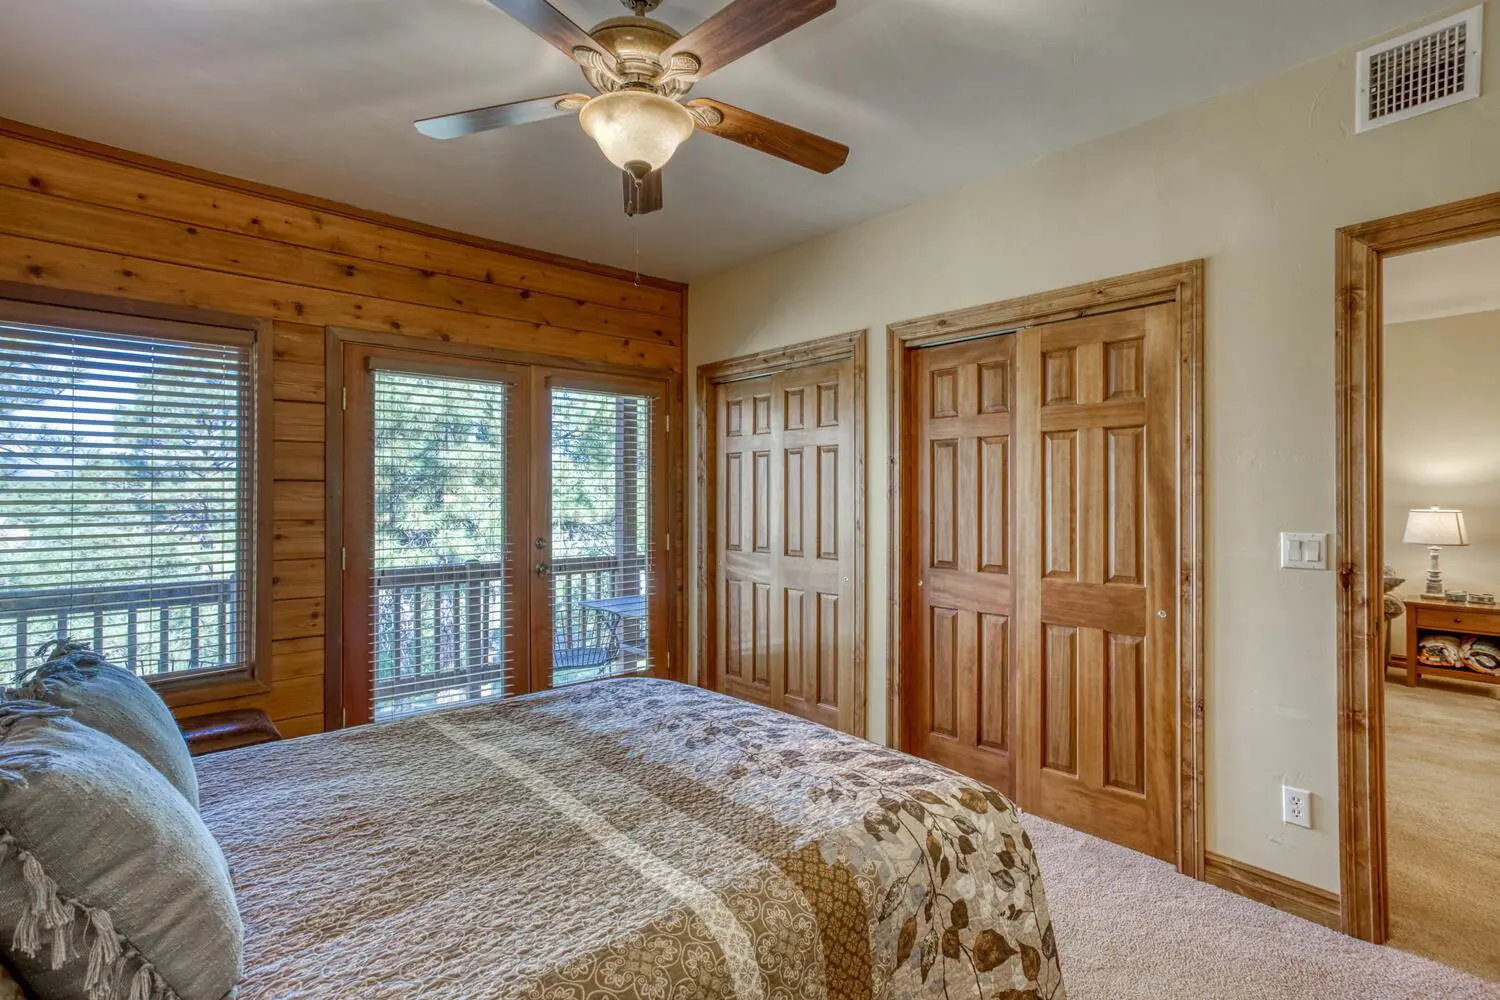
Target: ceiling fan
{"x": 641, "y": 70}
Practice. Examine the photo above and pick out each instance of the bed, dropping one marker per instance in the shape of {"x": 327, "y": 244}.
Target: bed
{"x": 632, "y": 838}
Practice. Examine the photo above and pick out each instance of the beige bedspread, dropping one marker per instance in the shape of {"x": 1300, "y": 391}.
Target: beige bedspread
{"x": 630, "y": 838}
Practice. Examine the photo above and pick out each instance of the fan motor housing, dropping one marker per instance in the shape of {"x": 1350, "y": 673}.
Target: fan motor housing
{"x": 638, "y": 43}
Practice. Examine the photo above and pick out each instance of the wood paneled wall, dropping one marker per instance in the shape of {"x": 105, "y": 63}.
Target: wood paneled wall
{"x": 81, "y": 218}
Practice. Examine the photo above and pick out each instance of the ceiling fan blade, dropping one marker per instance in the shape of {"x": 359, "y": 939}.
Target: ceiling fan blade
{"x": 643, "y": 197}
{"x": 769, "y": 136}
{"x": 549, "y": 22}
{"x": 741, "y": 28}
{"x": 500, "y": 115}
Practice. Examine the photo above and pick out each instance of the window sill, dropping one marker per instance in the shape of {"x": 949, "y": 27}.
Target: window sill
{"x": 218, "y": 685}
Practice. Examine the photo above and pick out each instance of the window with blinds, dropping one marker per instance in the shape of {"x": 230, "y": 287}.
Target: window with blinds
{"x": 601, "y": 534}
{"x": 127, "y": 473}
{"x": 441, "y": 601}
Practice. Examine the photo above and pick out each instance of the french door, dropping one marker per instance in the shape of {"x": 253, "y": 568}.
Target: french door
{"x": 500, "y": 529}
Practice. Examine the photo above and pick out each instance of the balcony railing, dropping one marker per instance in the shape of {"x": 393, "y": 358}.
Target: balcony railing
{"x": 440, "y": 631}
{"x": 151, "y": 629}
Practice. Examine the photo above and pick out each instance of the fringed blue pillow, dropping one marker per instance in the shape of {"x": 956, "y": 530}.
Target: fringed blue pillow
{"x": 111, "y": 887}
{"x": 114, "y": 701}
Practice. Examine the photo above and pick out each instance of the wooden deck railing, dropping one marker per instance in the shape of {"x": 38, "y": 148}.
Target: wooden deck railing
{"x": 152, "y": 629}
{"x": 438, "y": 629}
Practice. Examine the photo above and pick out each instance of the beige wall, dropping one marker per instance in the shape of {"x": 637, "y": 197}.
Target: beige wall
{"x": 1256, "y": 182}
{"x": 1442, "y": 446}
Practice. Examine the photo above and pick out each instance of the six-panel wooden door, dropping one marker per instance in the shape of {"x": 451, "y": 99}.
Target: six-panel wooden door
{"x": 1039, "y": 603}
{"x": 785, "y": 492}
{"x": 1097, "y": 480}
{"x": 960, "y": 710}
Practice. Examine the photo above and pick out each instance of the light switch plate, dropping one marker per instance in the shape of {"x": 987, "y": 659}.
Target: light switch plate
{"x": 1304, "y": 550}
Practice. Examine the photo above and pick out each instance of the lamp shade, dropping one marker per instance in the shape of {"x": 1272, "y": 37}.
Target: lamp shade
{"x": 636, "y": 127}
{"x": 1435, "y": 526}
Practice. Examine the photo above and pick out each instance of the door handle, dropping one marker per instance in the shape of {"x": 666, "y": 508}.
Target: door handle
{"x": 542, "y": 569}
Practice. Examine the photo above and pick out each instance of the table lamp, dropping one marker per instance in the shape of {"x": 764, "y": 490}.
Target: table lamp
{"x": 1435, "y": 527}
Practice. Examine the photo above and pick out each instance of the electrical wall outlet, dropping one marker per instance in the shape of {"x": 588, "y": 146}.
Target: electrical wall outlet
{"x": 1296, "y": 806}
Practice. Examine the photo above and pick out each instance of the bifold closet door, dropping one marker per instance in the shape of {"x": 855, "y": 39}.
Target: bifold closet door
{"x": 1097, "y": 596}
{"x": 785, "y": 539}
{"x": 960, "y": 710}
{"x": 1040, "y": 591}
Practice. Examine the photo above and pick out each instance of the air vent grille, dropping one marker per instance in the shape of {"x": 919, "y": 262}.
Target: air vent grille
{"x": 1427, "y": 69}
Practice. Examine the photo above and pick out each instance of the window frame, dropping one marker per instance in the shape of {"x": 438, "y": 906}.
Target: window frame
{"x": 108, "y": 315}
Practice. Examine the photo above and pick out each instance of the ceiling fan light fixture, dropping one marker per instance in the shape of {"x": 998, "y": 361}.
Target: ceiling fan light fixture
{"x": 636, "y": 127}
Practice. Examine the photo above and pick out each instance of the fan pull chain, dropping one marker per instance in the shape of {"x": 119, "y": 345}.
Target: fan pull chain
{"x": 635, "y": 231}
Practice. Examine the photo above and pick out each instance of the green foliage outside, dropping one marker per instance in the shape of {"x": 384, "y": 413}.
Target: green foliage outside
{"x": 118, "y": 466}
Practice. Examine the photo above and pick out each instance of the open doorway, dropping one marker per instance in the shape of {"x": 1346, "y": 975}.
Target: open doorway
{"x": 1441, "y": 485}
{"x": 1419, "y": 560}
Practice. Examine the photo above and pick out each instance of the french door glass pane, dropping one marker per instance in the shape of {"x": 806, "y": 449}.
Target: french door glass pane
{"x": 441, "y": 604}
{"x": 601, "y": 534}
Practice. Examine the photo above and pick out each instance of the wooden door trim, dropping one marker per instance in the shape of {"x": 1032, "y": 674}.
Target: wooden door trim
{"x": 1181, "y": 284}
{"x": 673, "y": 561}
{"x": 836, "y": 348}
{"x": 502, "y": 355}
{"x": 1359, "y": 255}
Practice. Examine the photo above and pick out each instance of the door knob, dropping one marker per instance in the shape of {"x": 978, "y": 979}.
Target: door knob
{"x": 542, "y": 569}
{"x": 541, "y": 542}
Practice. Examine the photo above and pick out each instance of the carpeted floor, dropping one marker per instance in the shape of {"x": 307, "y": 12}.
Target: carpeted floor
{"x": 1442, "y": 750}
{"x": 1130, "y": 928}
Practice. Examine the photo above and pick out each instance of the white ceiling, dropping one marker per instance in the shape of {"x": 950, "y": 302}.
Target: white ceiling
{"x": 319, "y": 96}
{"x": 1449, "y": 281}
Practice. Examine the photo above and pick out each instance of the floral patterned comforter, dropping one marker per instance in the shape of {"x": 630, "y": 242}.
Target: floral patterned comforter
{"x": 624, "y": 839}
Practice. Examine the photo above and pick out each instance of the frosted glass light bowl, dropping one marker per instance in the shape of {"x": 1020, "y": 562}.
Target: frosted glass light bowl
{"x": 636, "y": 127}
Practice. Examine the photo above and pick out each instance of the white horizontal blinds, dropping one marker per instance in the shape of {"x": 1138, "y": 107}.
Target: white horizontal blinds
{"x": 602, "y": 558}
{"x": 441, "y": 608}
{"x": 126, "y": 493}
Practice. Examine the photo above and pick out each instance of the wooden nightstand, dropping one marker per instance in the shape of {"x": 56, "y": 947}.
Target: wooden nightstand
{"x": 1427, "y": 615}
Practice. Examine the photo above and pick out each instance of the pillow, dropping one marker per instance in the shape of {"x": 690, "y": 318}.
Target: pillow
{"x": 115, "y": 701}
{"x": 111, "y": 887}
{"x": 9, "y": 988}
{"x": 1440, "y": 651}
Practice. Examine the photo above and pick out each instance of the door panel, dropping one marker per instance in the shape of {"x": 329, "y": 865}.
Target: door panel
{"x": 960, "y": 674}
{"x": 435, "y": 608}
{"x": 745, "y": 562}
{"x": 1098, "y": 396}
{"x": 785, "y": 491}
{"x": 597, "y": 527}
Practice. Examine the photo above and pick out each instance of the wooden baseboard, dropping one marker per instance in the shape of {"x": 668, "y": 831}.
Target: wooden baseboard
{"x": 1297, "y": 898}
